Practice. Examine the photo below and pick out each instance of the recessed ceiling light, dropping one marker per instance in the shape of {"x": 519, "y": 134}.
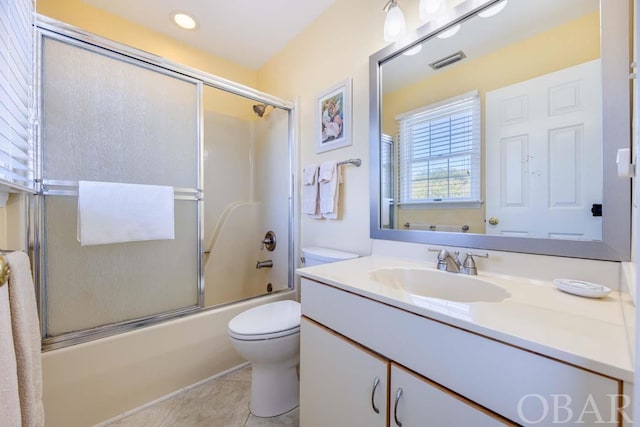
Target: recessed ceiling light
{"x": 184, "y": 20}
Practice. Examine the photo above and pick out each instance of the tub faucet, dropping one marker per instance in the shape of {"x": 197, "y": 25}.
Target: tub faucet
{"x": 446, "y": 261}
{"x": 264, "y": 264}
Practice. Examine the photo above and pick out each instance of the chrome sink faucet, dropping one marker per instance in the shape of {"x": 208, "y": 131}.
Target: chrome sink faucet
{"x": 452, "y": 264}
{"x": 446, "y": 261}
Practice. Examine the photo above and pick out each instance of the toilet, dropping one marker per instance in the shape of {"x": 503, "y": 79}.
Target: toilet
{"x": 316, "y": 255}
{"x": 268, "y": 336}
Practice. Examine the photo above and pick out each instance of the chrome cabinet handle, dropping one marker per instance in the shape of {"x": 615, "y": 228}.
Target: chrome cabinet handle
{"x": 395, "y": 407}
{"x": 376, "y": 383}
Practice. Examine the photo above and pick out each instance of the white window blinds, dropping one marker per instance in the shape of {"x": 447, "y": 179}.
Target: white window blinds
{"x": 16, "y": 71}
{"x": 440, "y": 152}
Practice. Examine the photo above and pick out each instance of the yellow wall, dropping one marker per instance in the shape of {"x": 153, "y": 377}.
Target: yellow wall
{"x": 334, "y": 47}
{"x": 569, "y": 44}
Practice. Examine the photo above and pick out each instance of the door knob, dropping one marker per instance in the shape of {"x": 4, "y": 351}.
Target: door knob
{"x": 493, "y": 220}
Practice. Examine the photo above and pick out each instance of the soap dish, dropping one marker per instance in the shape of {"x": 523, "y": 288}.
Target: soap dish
{"x": 583, "y": 289}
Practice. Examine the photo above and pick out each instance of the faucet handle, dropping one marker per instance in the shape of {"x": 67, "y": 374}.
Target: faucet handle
{"x": 469, "y": 265}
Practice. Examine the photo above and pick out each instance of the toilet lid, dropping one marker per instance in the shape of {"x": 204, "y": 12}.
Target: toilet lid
{"x": 267, "y": 319}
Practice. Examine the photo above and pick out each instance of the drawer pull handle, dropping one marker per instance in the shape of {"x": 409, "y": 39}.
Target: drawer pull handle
{"x": 376, "y": 383}
{"x": 395, "y": 407}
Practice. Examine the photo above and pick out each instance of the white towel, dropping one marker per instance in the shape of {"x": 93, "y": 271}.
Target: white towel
{"x": 111, "y": 212}
{"x": 9, "y": 397}
{"x": 310, "y": 201}
{"x": 330, "y": 179}
{"x": 310, "y": 174}
{"x": 26, "y": 339}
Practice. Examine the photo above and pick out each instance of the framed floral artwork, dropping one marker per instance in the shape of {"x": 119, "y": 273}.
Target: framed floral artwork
{"x": 333, "y": 117}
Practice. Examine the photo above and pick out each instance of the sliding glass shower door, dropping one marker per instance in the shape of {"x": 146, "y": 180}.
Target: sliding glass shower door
{"x": 106, "y": 117}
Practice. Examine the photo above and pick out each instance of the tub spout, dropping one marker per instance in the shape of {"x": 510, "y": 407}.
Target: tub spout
{"x": 264, "y": 264}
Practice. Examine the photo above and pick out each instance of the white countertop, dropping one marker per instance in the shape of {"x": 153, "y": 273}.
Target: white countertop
{"x": 590, "y": 333}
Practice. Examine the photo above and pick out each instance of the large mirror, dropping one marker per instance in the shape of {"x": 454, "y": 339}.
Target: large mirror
{"x": 500, "y": 130}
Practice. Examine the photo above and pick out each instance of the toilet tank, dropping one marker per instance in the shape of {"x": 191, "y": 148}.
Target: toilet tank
{"x": 316, "y": 255}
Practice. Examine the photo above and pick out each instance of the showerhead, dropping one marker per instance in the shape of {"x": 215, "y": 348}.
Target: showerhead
{"x": 260, "y": 109}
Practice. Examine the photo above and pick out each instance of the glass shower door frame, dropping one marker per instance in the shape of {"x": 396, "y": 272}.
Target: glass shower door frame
{"x": 55, "y": 29}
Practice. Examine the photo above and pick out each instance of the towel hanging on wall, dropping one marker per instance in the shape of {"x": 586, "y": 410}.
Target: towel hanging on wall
{"x": 110, "y": 212}
{"x": 310, "y": 201}
{"x": 10, "y": 399}
{"x": 25, "y": 326}
{"x": 330, "y": 178}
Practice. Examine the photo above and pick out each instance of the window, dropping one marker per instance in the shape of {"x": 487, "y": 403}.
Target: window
{"x": 440, "y": 153}
{"x": 16, "y": 65}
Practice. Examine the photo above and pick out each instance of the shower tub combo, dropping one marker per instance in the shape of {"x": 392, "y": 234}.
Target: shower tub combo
{"x": 124, "y": 324}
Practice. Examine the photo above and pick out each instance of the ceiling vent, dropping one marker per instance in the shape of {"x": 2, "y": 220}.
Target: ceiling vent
{"x": 451, "y": 59}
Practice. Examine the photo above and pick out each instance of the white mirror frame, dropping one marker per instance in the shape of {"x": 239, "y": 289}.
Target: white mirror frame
{"x": 616, "y": 128}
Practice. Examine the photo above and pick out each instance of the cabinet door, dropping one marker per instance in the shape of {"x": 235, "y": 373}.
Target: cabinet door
{"x": 423, "y": 403}
{"x": 337, "y": 380}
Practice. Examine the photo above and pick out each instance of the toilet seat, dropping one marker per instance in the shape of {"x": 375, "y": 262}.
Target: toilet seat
{"x": 267, "y": 321}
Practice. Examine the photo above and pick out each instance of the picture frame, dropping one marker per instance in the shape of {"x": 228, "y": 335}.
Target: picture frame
{"x": 333, "y": 117}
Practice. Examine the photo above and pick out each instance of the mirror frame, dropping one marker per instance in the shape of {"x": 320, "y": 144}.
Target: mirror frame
{"x": 616, "y": 134}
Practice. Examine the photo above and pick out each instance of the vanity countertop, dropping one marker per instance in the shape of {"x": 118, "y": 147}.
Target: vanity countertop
{"x": 594, "y": 334}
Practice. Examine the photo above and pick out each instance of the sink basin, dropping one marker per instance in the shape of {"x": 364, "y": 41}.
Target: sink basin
{"x": 429, "y": 283}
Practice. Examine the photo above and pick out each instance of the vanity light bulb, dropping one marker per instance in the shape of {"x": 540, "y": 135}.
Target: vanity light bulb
{"x": 493, "y": 10}
{"x": 413, "y": 51}
{"x": 430, "y": 8}
{"x": 395, "y": 26}
{"x": 450, "y": 32}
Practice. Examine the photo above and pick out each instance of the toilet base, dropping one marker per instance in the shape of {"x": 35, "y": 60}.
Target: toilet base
{"x": 274, "y": 388}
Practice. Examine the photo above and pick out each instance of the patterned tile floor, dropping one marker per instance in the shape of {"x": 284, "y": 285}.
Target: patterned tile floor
{"x": 221, "y": 402}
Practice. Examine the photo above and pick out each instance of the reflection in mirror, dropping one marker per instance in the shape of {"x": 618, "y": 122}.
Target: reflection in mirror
{"x": 496, "y": 130}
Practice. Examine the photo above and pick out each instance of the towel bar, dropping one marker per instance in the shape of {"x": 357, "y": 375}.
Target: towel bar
{"x": 53, "y": 187}
{"x": 4, "y": 271}
{"x": 355, "y": 162}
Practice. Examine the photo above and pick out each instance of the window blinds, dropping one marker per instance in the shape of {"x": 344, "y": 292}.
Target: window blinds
{"x": 16, "y": 71}
{"x": 440, "y": 152}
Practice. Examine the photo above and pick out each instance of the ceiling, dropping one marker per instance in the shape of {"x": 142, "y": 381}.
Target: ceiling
{"x": 246, "y": 32}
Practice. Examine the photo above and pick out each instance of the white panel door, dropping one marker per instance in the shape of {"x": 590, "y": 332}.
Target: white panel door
{"x": 338, "y": 385}
{"x": 423, "y": 403}
{"x": 544, "y": 155}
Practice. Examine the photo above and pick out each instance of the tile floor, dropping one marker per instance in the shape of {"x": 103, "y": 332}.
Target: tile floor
{"x": 221, "y": 402}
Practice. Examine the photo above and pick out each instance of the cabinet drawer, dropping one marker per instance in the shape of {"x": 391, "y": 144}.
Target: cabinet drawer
{"x": 517, "y": 384}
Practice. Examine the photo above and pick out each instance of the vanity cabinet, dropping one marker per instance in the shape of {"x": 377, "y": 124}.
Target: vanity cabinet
{"x": 445, "y": 372}
{"x": 345, "y": 384}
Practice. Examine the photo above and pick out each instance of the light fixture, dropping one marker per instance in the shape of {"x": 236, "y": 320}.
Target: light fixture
{"x": 184, "y": 20}
{"x": 395, "y": 26}
{"x": 429, "y": 9}
{"x": 493, "y": 10}
{"x": 450, "y": 32}
{"x": 413, "y": 51}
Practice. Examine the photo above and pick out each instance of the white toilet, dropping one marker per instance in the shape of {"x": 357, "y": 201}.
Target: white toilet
{"x": 316, "y": 255}
{"x": 268, "y": 336}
